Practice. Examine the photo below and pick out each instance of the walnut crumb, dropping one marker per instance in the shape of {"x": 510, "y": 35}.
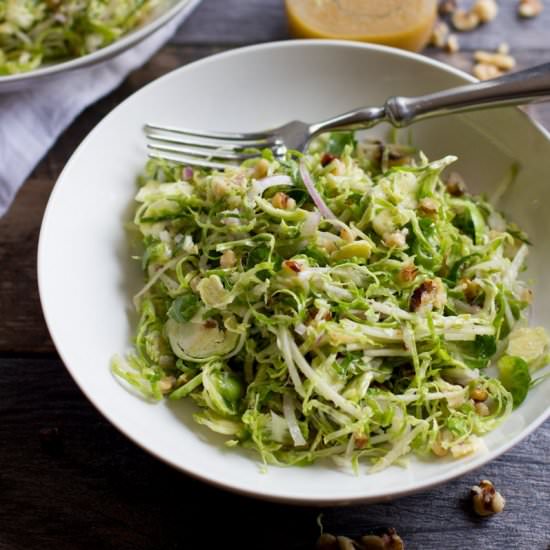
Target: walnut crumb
{"x": 452, "y": 45}
{"x": 486, "y": 71}
{"x": 292, "y": 265}
{"x": 486, "y": 499}
{"x": 530, "y": 8}
{"x": 479, "y": 394}
{"x": 428, "y": 206}
{"x": 486, "y": 10}
{"x": 504, "y": 62}
{"x": 408, "y": 273}
{"x": 228, "y": 259}
{"x": 283, "y": 201}
{"x": 261, "y": 169}
{"x": 465, "y": 20}
{"x": 440, "y": 33}
{"x": 429, "y": 295}
{"x": 455, "y": 185}
{"x": 446, "y": 7}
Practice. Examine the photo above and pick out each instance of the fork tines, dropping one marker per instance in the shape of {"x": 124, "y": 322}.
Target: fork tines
{"x": 201, "y": 148}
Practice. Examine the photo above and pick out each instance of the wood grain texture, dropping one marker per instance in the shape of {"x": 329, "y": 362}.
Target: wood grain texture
{"x": 91, "y": 488}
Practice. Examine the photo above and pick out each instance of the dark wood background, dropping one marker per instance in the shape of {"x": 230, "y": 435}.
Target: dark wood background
{"x": 68, "y": 480}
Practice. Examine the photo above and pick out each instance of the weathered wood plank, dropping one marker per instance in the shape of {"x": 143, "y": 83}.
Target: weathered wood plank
{"x": 94, "y": 489}
{"x": 234, "y": 23}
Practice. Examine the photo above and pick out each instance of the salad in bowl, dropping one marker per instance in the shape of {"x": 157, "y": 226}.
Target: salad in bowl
{"x": 349, "y": 303}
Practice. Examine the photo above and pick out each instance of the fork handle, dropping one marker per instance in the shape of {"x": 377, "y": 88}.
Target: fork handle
{"x": 514, "y": 89}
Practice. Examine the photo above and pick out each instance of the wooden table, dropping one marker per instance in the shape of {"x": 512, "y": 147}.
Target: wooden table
{"x": 70, "y": 480}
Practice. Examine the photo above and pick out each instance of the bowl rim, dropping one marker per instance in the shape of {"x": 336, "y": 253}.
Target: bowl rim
{"x": 103, "y": 54}
{"x": 242, "y": 488}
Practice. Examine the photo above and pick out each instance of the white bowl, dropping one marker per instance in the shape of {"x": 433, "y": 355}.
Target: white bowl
{"x": 19, "y": 81}
{"x": 86, "y": 277}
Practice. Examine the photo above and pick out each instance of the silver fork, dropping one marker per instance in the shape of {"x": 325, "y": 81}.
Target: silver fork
{"x": 220, "y": 149}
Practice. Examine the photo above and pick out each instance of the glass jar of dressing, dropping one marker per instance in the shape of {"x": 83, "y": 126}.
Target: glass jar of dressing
{"x": 400, "y": 23}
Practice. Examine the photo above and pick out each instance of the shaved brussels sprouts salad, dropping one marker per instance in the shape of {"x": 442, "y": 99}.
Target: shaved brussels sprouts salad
{"x": 33, "y": 32}
{"x": 347, "y": 303}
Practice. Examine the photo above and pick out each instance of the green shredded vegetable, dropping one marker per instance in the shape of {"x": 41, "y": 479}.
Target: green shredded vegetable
{"x": 363, "y": 337}
{"x": 33, "y": 32}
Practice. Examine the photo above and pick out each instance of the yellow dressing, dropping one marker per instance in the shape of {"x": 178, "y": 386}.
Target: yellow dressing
{"x": 403, "y": 24}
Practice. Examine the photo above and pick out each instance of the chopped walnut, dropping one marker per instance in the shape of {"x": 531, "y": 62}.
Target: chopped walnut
{"x": 397, "y": 239}
{"x": 228, "y": 259}
{"x": 439, "y": 446}
{"x": 471, "y": 289}
{"x": 347, "y": 235}
{"x": 440, "y": 32}
{"x": 526, "y": 295}
{"x": 447, "y": 7}
{"x": 388, "y": 541}
{"x": 167, "y": 383}
{"x": 455, "y": 185}
{"x": 530, "y": 8}
{"x": 283, "y": 201}
{"x": 452, "y": 45}
{"x": 292, "y": 266}
{"x": 338, "y": 167}
{"x": 479, "y": 394}
{"x": 438, "y": 449}
{"x": 327, "y": 158}
{"x": 465, "y": 20}
{"x": 486, "y": 499}
{"x": 327, "y": 542}
{"x": 503, "y": 62}
{"x": 372, "y": 542}
{"x": 261, "y": 169}
{"x": 468, "y": 447}
{"x": 429, "y": 295}
{"x": 486, "y": 10}
{"x": 482, "y": 409}
{"x": 408, "y": 273}
{"x": 486, "y": 71}
{"x": 428, "y": 206}
{"x": 392, "y": 540}
{"x": 220, "y": 187}
{"x": 344, "y": 543}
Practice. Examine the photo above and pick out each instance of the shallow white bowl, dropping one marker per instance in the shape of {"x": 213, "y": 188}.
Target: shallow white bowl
{"x": 86, "y": 277}
{"x": 20, "y": 81}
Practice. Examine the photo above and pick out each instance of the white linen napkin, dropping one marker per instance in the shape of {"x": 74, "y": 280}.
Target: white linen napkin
{"x": 32, "y": 120}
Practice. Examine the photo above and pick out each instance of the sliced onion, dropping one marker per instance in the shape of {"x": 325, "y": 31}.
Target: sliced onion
{"x": 231, "y": 221}
{"x": 326, "y": 212}
{"x": 187, "y": 173}
{"x": 311, "y": 224}
{"x": 322, "y": 386}
{"x": 282, "y": 344}
{"x": 279, "y": 427}
{"x": 260, "y": 186}
{"x": 290, "y": 417}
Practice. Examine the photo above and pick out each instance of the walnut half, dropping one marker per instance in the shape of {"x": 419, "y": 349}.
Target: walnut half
{"x": 486, "y": 499}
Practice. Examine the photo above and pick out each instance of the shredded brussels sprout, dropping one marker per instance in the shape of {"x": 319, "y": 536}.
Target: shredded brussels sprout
{"x": 362, "y": 334}
{"x": 33, "y": 32}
